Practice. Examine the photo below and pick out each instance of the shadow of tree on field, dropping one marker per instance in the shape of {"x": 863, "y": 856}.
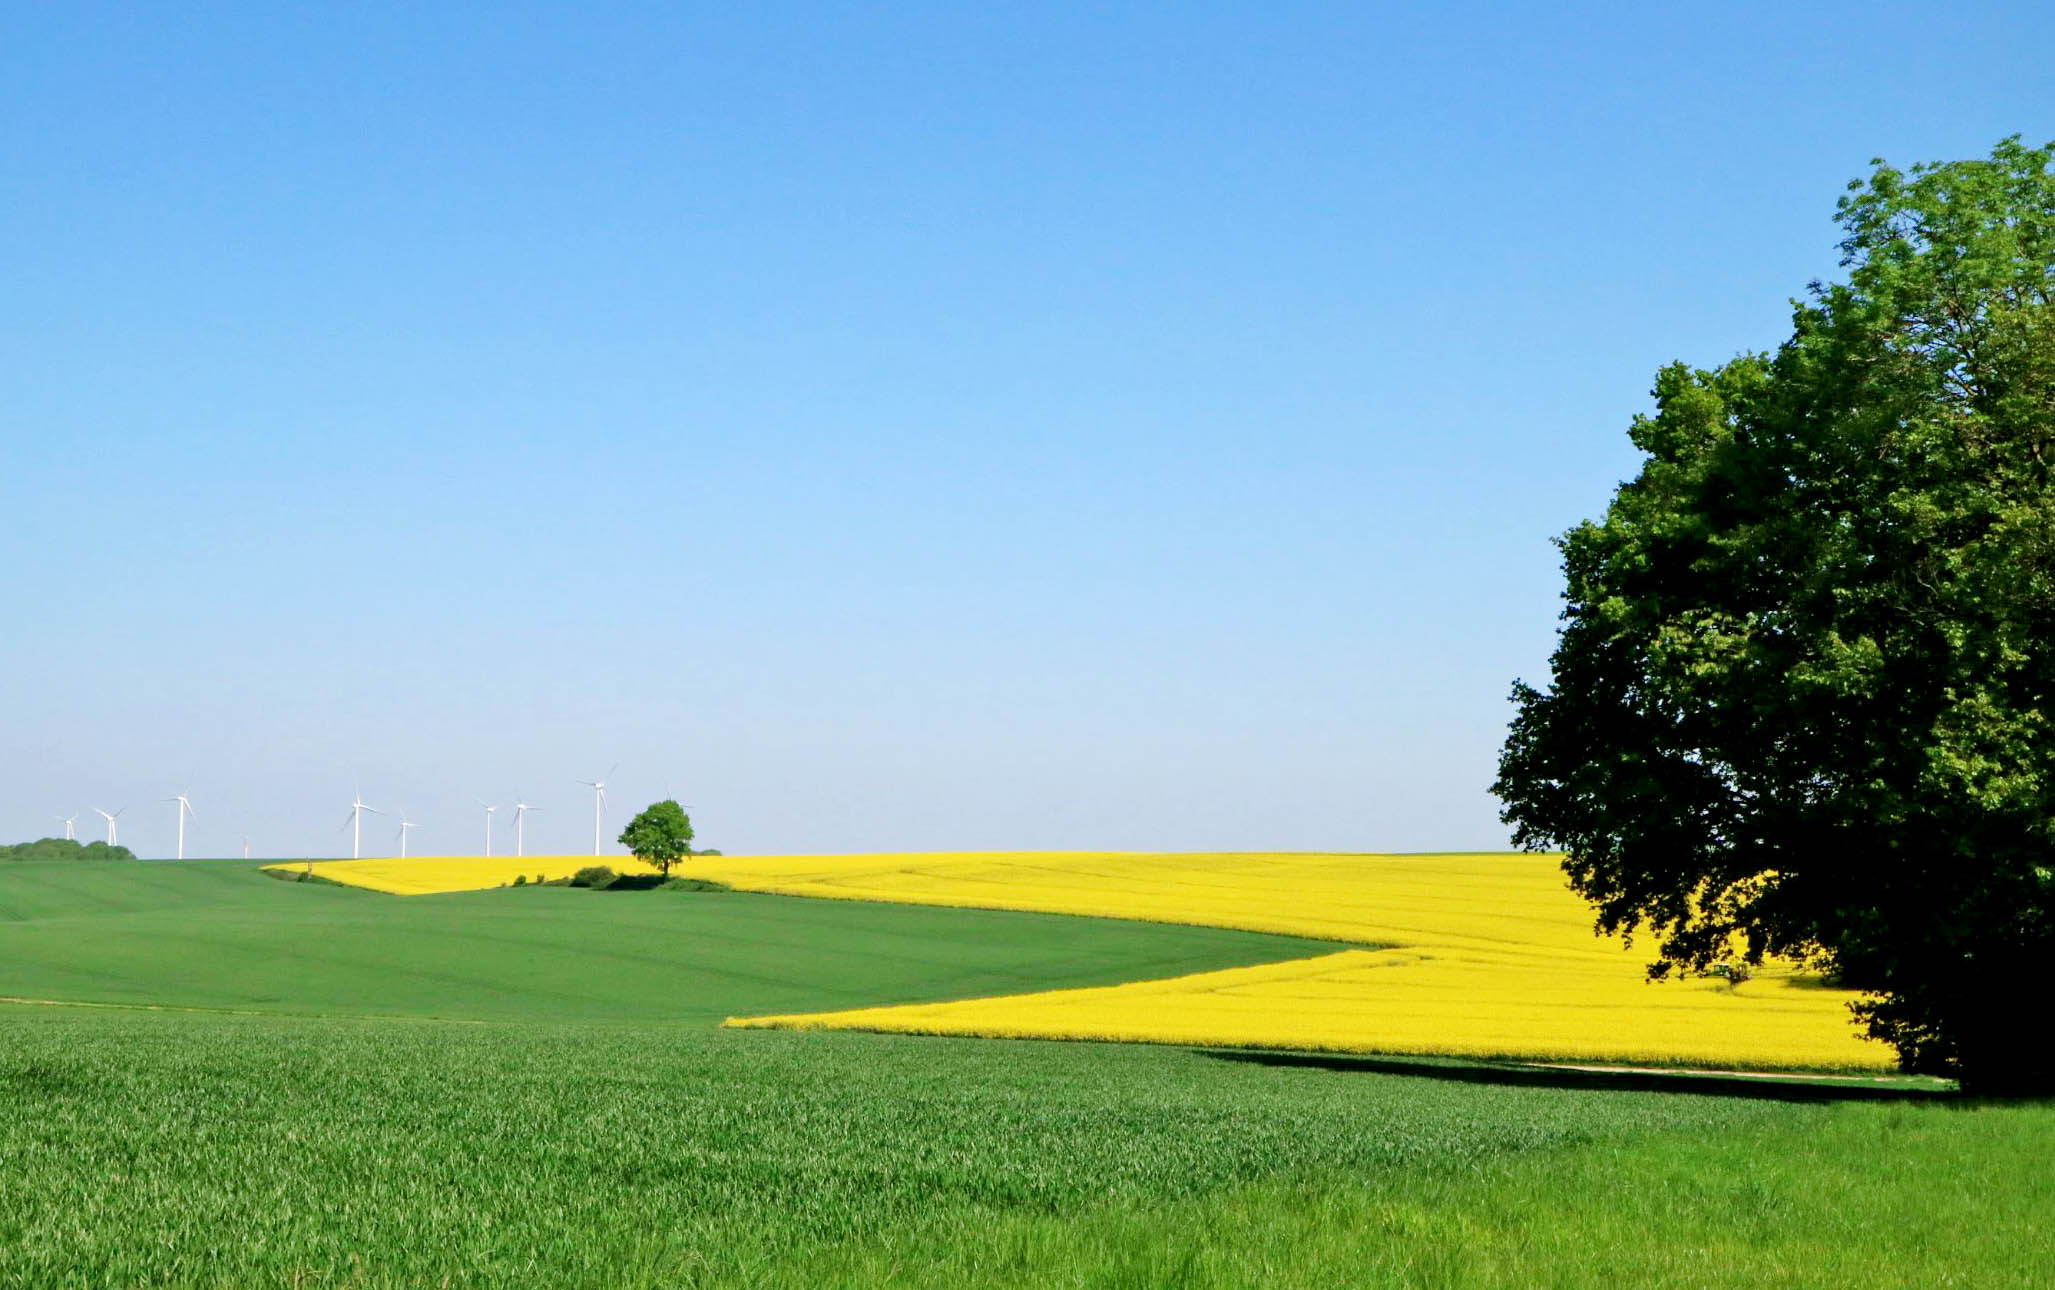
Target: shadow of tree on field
{"x": 634, "y": 882}
{"x": 657, "y": 882}
{"x": 1505, "y": 1074}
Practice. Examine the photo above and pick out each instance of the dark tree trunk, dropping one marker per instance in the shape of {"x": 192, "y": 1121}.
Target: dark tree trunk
{"x": 2001, "y": 1050}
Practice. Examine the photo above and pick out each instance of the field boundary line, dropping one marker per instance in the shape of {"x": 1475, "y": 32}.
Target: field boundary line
{"x": 25, "y": 1001}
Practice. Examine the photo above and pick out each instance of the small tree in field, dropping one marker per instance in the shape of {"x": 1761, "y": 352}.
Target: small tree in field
{"x": 660, "y": 836}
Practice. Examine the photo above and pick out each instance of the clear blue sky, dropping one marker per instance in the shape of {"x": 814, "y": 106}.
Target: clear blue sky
{"x": 893, "y": 426}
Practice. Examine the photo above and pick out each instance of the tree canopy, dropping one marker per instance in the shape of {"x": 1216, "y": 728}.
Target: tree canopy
{"x": 64, "y": 849}
{"x": 661, "y": 835}
{"x": 1801, "y": 700}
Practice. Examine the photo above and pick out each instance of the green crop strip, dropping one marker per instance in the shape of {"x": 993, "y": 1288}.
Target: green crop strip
{"x": 218, "y": 935}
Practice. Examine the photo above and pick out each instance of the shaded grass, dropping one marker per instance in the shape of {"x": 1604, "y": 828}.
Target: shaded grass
{"x": 1782, "y": 1087}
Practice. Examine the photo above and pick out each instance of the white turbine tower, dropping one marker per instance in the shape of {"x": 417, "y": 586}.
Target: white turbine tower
{"x": 110, "y": 822}
{"x": 355, "y": 823}
{"x": 67, "y": 826}
{"x": 488, "y": 826}
{"x": 599, "y": 803}
{"x": 521, "y": 809}
{"x": 185, "y": 808}
{"x": 405, "y": 824}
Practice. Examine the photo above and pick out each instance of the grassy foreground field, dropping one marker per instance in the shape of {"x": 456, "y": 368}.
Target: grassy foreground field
{"x": 150, "y": 1149}
{"x": 470, "y": 1133}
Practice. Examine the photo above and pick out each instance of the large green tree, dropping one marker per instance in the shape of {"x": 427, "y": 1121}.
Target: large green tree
{"x": 661, "y": 835}
{"x": 1801, "y": 701}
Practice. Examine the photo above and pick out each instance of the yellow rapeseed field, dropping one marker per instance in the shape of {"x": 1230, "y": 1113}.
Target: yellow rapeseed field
{"x": 1464, "y": 955}
{"x": 1415, "y": 1001}
{"x": 1490, "y": 955}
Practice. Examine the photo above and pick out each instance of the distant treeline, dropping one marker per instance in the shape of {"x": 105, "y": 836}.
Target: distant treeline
{"x": 64, "y": 849}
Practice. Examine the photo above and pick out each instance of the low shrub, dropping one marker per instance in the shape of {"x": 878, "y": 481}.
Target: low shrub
{"x": 299, "y": 875}
{"x": 596, "y": 876}
{"x": 696, "y": 884}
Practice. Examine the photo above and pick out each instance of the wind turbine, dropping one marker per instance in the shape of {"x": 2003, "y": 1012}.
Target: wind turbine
{"x": 185, "y": 808}
{"x": 599, "y": 803}
{"x": 67, "y": 826}
{"x": 488, "y": 826}
{"x": 521, "y": 810}
{"x": 405, "y": 824}
{"x": 110, "y": 822}
{"x": 246, "y": 846}
{"x": 355, "y": 823}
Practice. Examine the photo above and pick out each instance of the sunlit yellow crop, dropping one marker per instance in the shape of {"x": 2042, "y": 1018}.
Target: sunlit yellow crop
{"x": 1411, "y": 1001}
{"x": 1516, "y": 904}
{"x": 1489, "y": 955}
{"x": 440, "y": 875}
{"x": 1465, "y": 955}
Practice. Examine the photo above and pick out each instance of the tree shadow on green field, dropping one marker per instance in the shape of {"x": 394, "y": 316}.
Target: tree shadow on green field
{"x": 657, "y": 882}
{"x": 1766, "y": 1087}
{"x": 634, "y": 882}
